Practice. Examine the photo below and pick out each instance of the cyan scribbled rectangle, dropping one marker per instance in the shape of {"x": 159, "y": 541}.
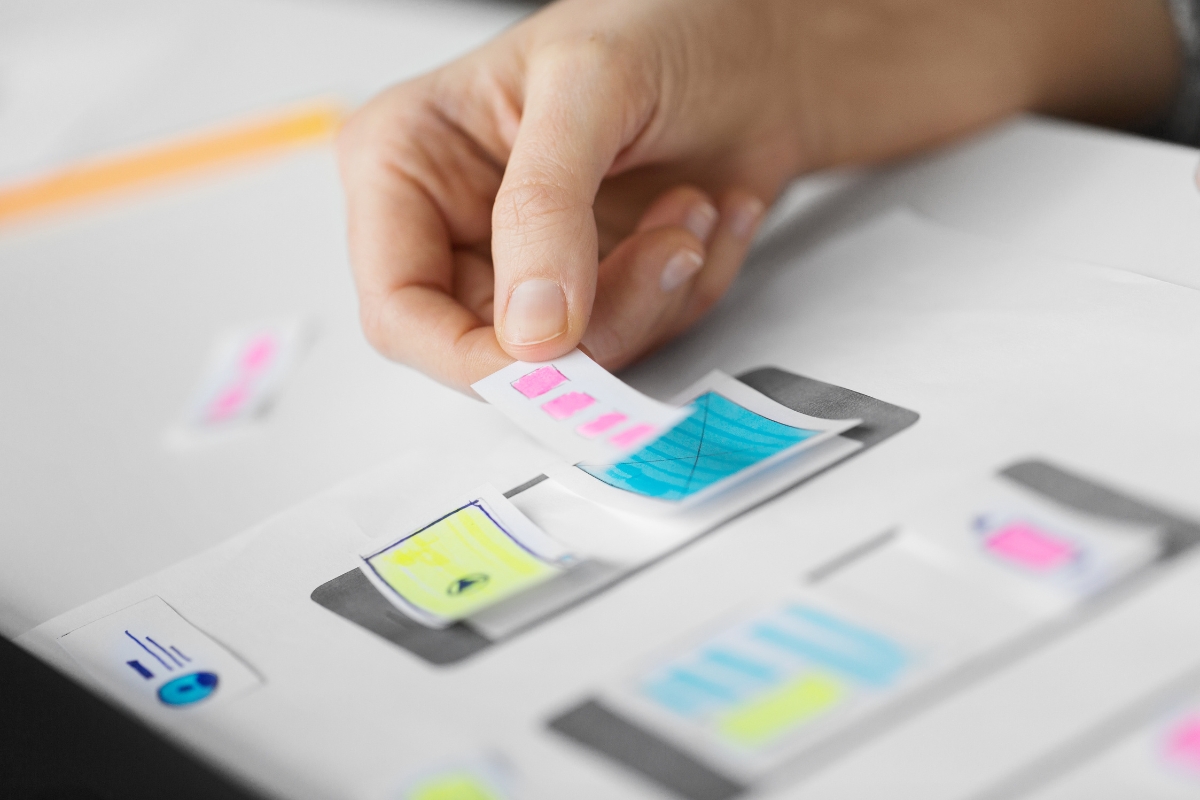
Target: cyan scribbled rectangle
{"x": 719, "y": 439}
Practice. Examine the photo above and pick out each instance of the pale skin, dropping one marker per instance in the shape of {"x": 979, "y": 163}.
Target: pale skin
{"x": 594, "y": 176}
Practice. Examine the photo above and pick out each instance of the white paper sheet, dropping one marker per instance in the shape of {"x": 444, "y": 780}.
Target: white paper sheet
{"x": 577, "y": 408}
{"x": 908, "y": 312}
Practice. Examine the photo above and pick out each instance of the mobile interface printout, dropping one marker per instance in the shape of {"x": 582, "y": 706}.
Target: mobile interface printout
{"x": 149, "y": 654}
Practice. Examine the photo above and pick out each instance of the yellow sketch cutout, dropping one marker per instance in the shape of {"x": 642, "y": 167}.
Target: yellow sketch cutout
{"x": 458, "y": 565}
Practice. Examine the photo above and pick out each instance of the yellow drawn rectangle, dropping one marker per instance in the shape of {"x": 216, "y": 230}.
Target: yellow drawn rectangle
{"x": 781, "y": 710}
{"x": 460, "y": 564}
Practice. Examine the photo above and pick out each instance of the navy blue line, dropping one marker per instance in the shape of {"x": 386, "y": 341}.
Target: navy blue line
{"x": 181, "y": 655}
{"x": 140, "y": 670}
{"x": 178, "y": 663}
{"x": 148, "y": 650}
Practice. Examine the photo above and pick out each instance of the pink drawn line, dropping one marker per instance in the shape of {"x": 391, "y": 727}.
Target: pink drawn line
{"x": 567, "y": 404}
{"x": 631, "y": 436}
{"x": 258, "y": 354}
{"x": 1030, "y": 547}
{"x": 538, "y": 382}
{"x": 1183, "y": 744}
{"x": 600, "y": 424}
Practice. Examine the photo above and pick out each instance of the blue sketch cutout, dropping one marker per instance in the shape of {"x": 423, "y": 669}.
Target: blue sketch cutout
{"x": 188, "y": 689}
{"x": 718, "y": 440}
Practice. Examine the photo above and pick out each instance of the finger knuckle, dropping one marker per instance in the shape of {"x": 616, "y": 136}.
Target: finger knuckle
{"x": 533, "y": 203}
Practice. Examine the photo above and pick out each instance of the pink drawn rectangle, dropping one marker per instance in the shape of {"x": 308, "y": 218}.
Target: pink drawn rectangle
{"x": 631, "y": 436}
{"x": 567, "y": 404}
{"x": 1029, "y": 546}
{"x": 601, "y": 424}
{"x": 1183, "y": 744}
{"x": 538, "y": 382}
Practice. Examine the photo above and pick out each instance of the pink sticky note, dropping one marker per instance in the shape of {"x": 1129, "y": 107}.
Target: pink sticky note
{"x": 538, "y": 382}
{"x": 1025, "y": 544}
{"x": 600, "y": 424}
{"x": 631, "y": 436}
{"x": 1183, "y": 743}
{"x": 567, "y": 404}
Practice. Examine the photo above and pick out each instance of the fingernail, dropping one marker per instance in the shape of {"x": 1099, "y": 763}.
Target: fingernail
{"x": 700, "y": 221}
{"x": 679, "y": 268}
{"x": 537, "y": 312}
{"x": 746, "y": 217}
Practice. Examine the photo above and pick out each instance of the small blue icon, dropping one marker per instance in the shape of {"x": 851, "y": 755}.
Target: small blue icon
{"x": 475, "y": 580}
{"x": 188, "y": 689}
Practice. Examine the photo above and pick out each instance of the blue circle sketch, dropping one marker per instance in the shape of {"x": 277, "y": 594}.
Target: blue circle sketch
{"x": 188, "y": 689}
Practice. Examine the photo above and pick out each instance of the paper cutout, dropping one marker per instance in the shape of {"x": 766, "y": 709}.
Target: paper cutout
{"x": 245, "y": 374}
{"x": 150, "y": 655}
{"x": 731, "y": 434}
{"x": 482, "y": 552}
{"x": 576, "y": 408}
{"x": 774, "y": 674}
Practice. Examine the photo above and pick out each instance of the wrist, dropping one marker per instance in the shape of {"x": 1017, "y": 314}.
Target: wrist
{"x": 880, "y": 80}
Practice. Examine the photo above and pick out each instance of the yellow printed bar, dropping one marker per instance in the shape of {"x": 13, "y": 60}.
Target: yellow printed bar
{"x": 94, "y": 179}
{"x": 453, "y": 787}
{"x": 792, "y": 704}
{"x": 462, "y": 563}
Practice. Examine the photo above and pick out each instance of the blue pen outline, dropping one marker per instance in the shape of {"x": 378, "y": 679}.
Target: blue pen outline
{"x": 178, "y": 663}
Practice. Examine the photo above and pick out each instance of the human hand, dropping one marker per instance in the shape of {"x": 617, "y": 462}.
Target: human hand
{"x": 595, "y": 174}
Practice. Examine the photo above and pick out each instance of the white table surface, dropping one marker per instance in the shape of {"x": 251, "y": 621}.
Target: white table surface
{"x": 106, "y": 314}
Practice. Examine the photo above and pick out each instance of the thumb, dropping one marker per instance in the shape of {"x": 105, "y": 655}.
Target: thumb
{"x": 576, "y": 119}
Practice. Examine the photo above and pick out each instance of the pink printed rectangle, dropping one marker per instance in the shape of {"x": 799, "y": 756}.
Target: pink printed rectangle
{"x": 1183, "y": 744}
{"x": 631, "y": 436}
{"x": 538, "y": 382}
{"x": 601, "y": 424}
{"x": 567, "y": 404}
{"x": 1027, "y": 545}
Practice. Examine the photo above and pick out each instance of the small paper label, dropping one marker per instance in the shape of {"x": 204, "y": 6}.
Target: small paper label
{"x": 150, "y": 655}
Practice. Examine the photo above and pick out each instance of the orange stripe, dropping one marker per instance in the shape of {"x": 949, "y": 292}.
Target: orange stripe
{"x": 91, "y": 179}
